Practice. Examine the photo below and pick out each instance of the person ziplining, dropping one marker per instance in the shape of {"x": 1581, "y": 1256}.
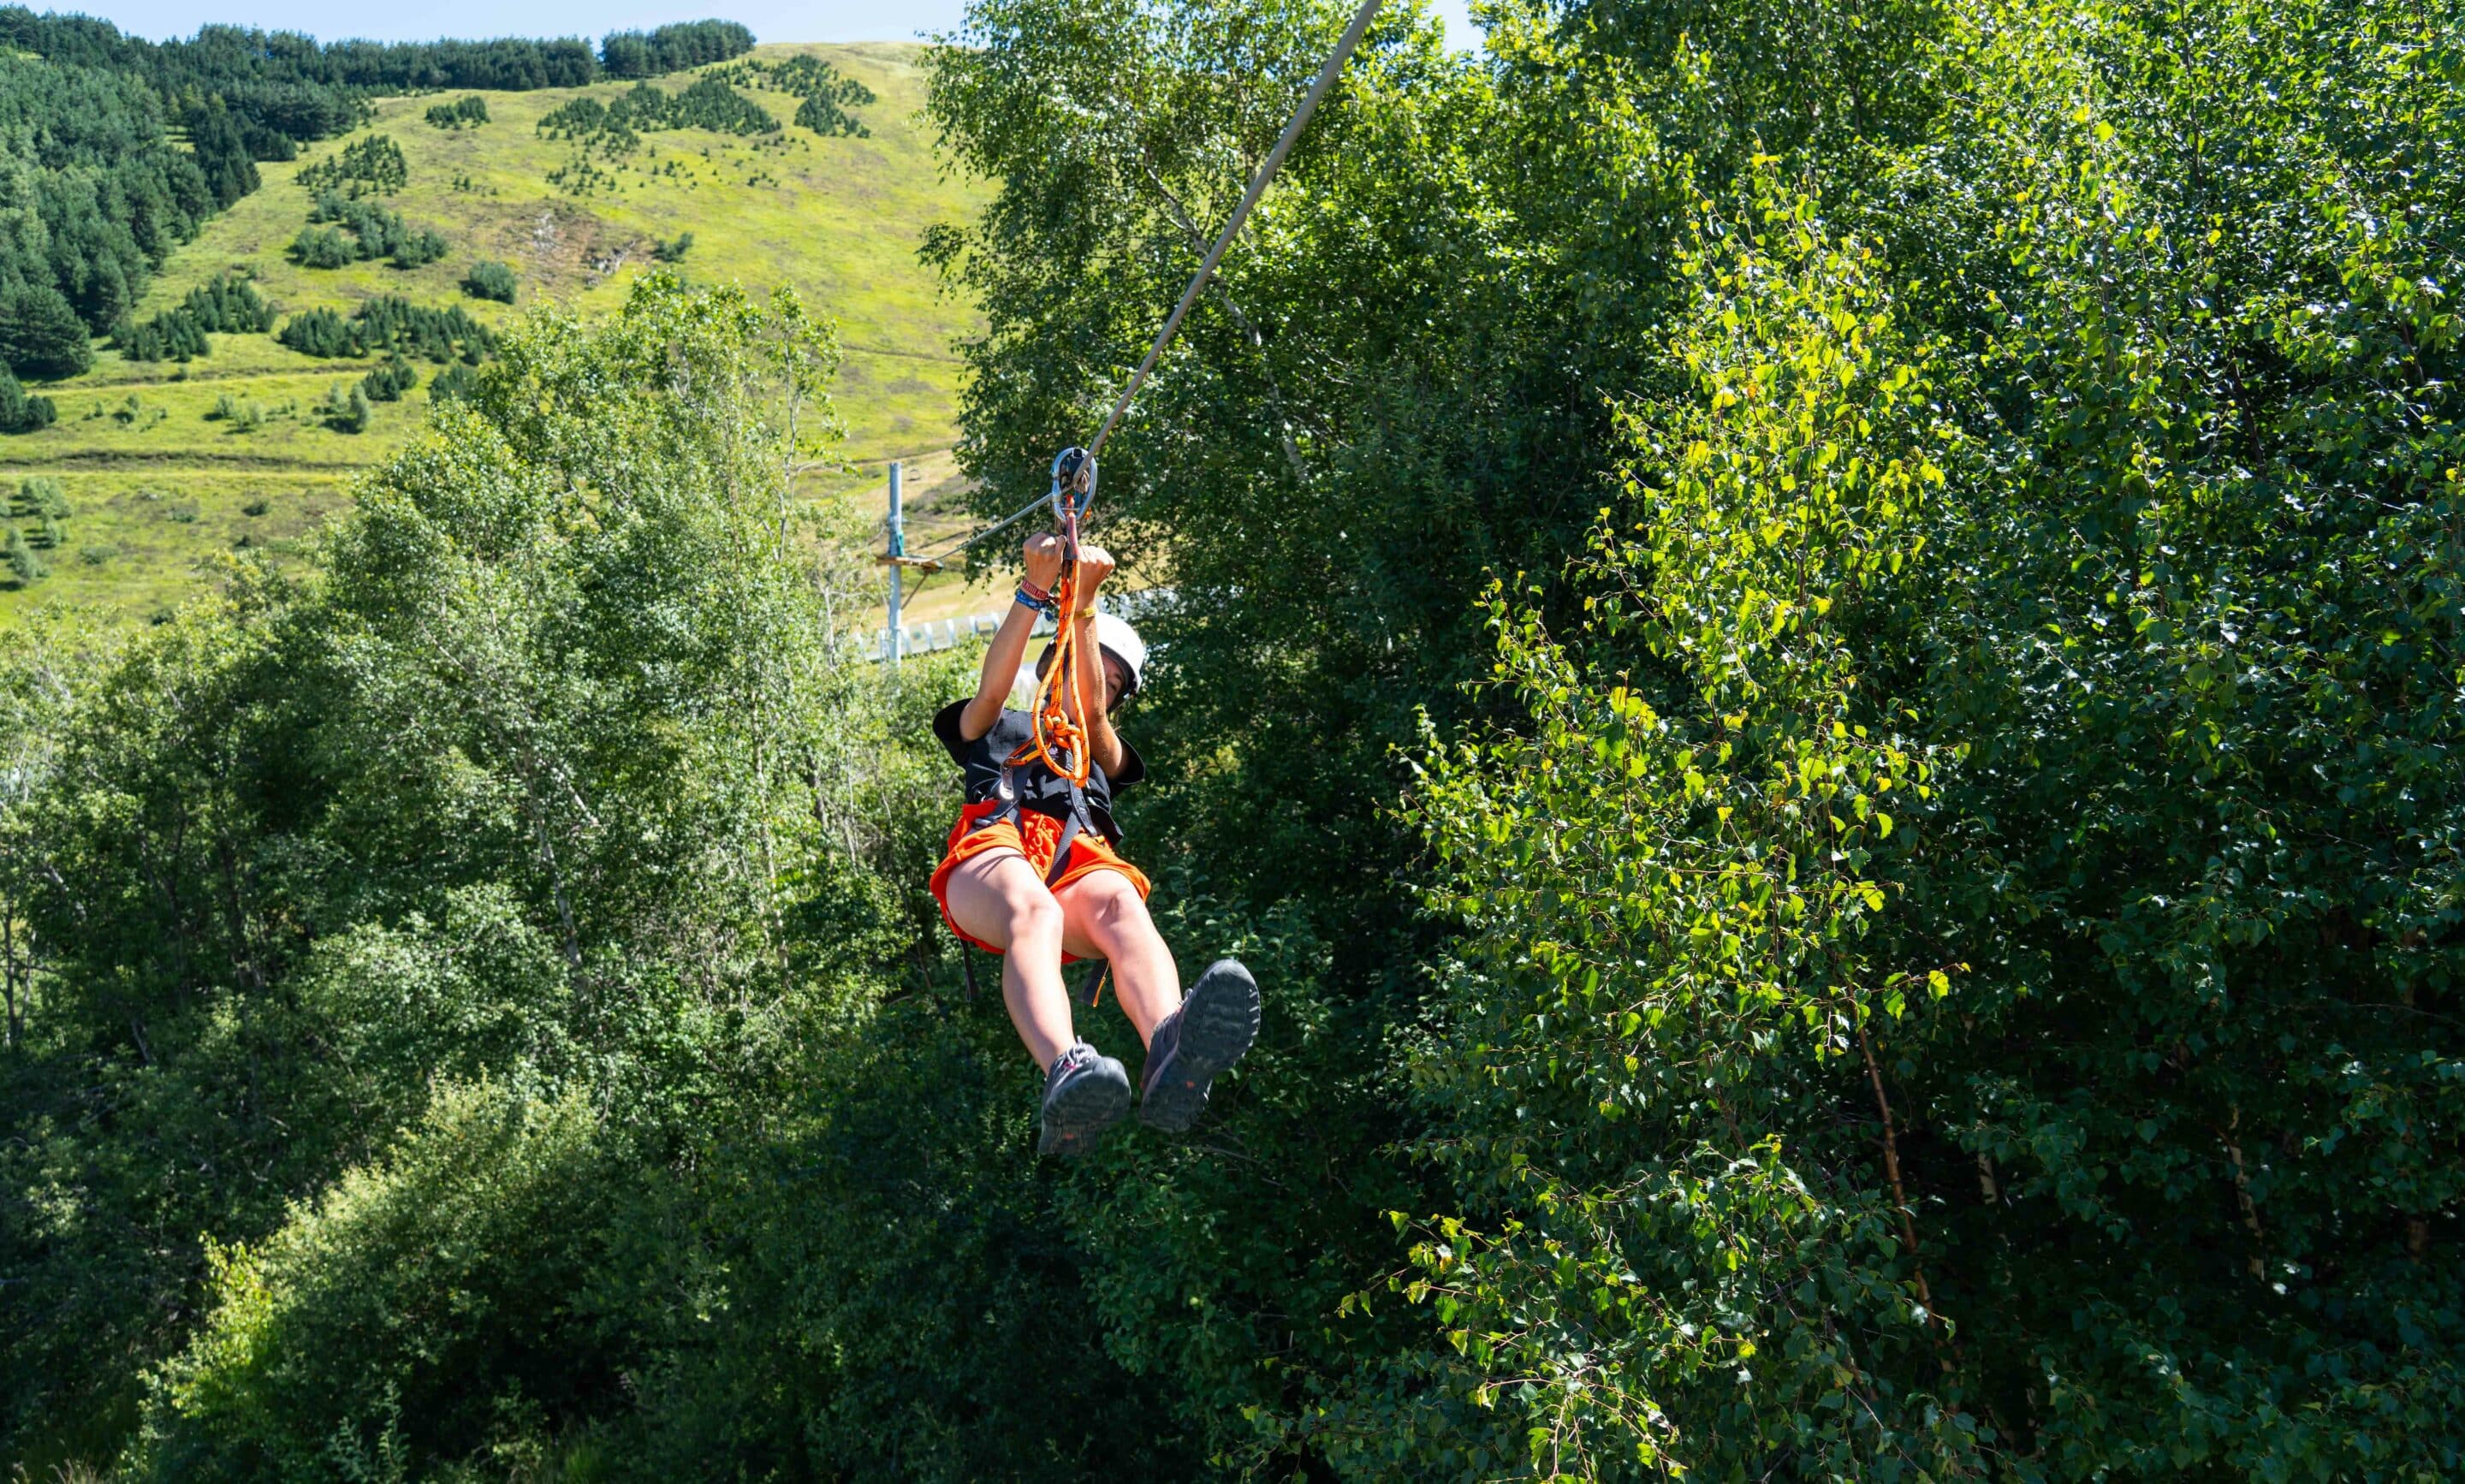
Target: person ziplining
{"x": 1031, "y": 871}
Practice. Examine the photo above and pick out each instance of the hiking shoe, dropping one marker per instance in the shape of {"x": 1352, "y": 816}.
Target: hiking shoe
{"x": 1197, "y": 1043}
{"x": 1085, "y": 1092}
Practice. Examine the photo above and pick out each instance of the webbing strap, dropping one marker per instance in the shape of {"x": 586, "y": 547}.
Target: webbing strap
{"x": 1069, "y": 833}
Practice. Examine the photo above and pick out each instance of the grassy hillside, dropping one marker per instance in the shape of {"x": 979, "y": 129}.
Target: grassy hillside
{"x": 160, "y": 488}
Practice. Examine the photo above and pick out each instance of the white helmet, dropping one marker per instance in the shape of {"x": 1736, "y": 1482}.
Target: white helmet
{"x": 1115, "y": 636}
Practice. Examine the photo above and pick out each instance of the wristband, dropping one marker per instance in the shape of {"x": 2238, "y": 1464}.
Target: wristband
{"x": 1036, "y": 599}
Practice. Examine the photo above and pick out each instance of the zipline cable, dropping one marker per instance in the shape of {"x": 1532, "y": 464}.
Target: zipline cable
{"x": 1056, "y": 739}
{"x": 996, "y": 529}
{"x": 1258, "y": 184}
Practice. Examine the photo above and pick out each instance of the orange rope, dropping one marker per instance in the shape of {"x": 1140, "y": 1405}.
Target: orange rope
{"x": 1055, "y": 735}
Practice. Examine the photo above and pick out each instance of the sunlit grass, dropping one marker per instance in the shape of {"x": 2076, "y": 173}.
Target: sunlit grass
{"x": 841, "y": 225}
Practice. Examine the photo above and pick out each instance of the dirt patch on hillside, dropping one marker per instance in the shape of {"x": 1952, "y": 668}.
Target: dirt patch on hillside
{"x": 558, "y": 247}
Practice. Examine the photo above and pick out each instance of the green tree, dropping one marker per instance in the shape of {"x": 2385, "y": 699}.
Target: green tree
{"x": 1667, "y": 874}
{"x": 322, "y": 247}
{"x": 490, "y": 279}
{"x": 19, "y": 411}
{"x": 617, "y": 743}
{"x": 24, "y": 564}
{"x": 40, "y": 335}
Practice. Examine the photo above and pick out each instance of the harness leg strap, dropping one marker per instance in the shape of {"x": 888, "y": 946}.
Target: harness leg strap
{"x": 1069, "y": 834}
{"x": 1061, "y": 851}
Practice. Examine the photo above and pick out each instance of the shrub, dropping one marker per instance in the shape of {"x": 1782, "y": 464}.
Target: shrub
{"x": 19, "y": 411}
{"x": 322, "y": 332}
{"x": 26, "y": 567}
{"x": 174, "y": 335}
{"x": 375, "y": 233}
{"x": 490, "y": 279}
{"x": 672, "y": 252}
{"x": 471, "y": 110}
{"x": 328, "y": 1341}
{"x": 416, "y": 248}
{"x": 458, "y": 380}
{"x": 371, "y": 164}
{"x": 346, "y": 408}
{"x": 323, "y": 247}
{"x": 42, "y": 496}
{"x": 390, "y": 323}
{"x": 391, "y": 380}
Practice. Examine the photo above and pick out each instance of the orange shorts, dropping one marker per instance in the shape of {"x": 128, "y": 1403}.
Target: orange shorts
{"x": 1034, "y": 836}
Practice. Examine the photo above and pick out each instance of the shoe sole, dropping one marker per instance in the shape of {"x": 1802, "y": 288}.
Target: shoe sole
{"x": 1075, "y": 1119}
{"x": 1219, "y": 1022}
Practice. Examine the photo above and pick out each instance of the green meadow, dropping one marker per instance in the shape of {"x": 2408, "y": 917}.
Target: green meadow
{"x": 171, "y": 468}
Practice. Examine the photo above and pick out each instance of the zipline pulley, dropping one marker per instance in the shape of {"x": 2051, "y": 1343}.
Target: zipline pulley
{"x": 1074, "y": 486}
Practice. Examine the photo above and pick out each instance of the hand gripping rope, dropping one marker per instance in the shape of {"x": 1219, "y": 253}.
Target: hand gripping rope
{"x": 1058, "y": 740}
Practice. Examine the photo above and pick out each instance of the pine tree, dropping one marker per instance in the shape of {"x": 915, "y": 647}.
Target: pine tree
{"x": 489, "y": 280}
{"x": 40, "y": 335}
{"x": 23, "y": 564}
{"x": 18, "y": 412}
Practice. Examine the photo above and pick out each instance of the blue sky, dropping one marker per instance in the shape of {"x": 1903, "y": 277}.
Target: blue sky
{"x": 772, "y": 20}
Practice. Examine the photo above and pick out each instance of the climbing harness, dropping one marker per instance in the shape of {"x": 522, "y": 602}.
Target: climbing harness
{"x": 1056, "y": 738}
{"x": 1059, "y": 741}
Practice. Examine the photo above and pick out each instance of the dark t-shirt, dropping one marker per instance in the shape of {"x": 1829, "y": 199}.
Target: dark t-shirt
{"x": 982, "y": 761}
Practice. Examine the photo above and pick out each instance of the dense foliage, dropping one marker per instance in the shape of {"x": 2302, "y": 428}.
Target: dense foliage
{"x": 389, "y": 323}
{"x": 471, "y": 109}
{"x": 672, "y": 48}
{"x": 347, "y": 407}
{"x": 93, "y": 194}
{"x": 391, "y": 379}
{"x": 229, "y": 305}
{"x": 1951, "y": 860}
{"x": 489, "y": 278}
{"x": 614, "y": 130}
{"x": 21, "y": 410}
{"x": 373, "y": 232}
{"x": 40, "y": 524}
{"x": 828, "y": 96}
{"x": 371, "y": 164}
{"x": 1813, "y": 646}
{"x": 282, "y": 88}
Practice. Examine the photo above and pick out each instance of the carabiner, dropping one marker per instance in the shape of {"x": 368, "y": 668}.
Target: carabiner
{"x": 1073, "y": 483}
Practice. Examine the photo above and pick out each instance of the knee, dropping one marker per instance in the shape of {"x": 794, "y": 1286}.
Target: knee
{"x": 1117, "y": 918}
{"x": 1034, "y": 917}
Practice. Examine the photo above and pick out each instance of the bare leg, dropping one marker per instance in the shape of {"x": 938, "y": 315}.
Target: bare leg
{"x": 1103, "y": 916}
{"x": 1000, "y": 899}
